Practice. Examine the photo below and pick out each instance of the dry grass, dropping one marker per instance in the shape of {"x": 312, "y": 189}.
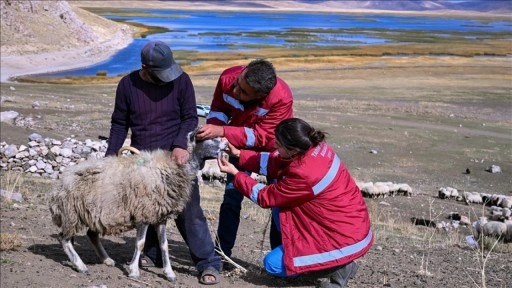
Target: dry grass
{"x": 10, "y": 241}
{"x": 11, "y": 182}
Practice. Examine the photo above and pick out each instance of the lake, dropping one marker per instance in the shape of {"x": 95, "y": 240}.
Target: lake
{"x": 218, "y": 31}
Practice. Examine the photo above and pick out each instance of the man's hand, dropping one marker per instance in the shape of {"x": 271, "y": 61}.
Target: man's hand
{"x": 180, "y": 155}
{"x": 210, "y": 131}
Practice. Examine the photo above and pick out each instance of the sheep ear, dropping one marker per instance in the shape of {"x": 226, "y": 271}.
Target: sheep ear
{"x": 192, "y": 135}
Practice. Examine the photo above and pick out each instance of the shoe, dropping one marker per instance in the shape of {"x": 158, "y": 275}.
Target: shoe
{"x": 212, "y": 272}
{"x": 340, "y": 277}
{"x": 145, "y": 261}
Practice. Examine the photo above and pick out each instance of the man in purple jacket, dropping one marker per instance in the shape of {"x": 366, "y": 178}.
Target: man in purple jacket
{"x": 157, "y": 103}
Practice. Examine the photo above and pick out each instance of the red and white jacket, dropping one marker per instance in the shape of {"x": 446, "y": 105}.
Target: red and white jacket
{"x": 323, "y": 218}
{"x": 249, "y": 127}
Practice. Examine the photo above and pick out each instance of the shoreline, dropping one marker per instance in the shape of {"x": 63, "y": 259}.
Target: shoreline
{"x": 271, "y": 5}
{"x": 28, "y": 64}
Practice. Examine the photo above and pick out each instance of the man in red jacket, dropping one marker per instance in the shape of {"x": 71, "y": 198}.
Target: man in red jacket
{"x": 248, "y": 102}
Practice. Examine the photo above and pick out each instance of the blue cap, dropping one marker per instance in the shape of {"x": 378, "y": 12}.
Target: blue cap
{"x": 157, "y": 56}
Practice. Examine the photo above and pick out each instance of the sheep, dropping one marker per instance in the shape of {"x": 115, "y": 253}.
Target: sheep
{"x": 113, "y": 195}
{"x": 211, "y": 171}
{"x": 472, "y": 197}
{"x": 478, "y": 225}
{"x": 505, "y": 201}
{"x": 384, "y": 189}
{"x": 497, "y": 229}
{"x": 405, "y": 189}
{"x": 260, "y": 178}
{"x": 448, "y": 193}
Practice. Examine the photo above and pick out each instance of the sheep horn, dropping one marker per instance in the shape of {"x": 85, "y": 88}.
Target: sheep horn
{"x": 129, "y": 148}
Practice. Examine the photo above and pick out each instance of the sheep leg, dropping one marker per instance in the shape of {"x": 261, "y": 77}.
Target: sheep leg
{"x": 98, "y": 248}
{"x": 139, "y": 245}
{"x": 72, "y": 255}
{"x": 162, "y": 239}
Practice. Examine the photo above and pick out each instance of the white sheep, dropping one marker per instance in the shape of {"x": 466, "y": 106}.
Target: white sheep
{"x": 384, "y": 189}
{"x": 404, "y": 189}
{"x": 472, "y": 197}
{"x": 478, "y": 225}
{"x": 495, "y": 228}
{"x": 448, "y": 193}
{"x": 113, "y": 195}
{"x": 211, "y": 171}
{"x": 505, "y": 201}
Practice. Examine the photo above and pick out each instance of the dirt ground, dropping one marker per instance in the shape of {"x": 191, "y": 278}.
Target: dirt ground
{"x": 428, "y": 119}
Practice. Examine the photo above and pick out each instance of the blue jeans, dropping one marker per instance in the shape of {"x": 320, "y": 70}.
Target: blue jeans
{"x": 194, "y": 229}
{"x": 229, "y": 216}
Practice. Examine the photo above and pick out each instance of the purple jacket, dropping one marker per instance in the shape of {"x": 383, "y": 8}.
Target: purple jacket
{"x": 159, "y": 117}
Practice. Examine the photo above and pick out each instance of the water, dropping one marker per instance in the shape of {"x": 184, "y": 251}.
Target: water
{"x": 217, "y": 31}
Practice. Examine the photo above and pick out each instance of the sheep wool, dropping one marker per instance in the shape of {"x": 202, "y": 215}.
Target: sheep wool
{"x": 114, "y": 195}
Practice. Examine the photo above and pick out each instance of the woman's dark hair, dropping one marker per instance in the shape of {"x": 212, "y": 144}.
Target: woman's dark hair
{"x": 295, "y": 133}
{"x": 261, "y": 75}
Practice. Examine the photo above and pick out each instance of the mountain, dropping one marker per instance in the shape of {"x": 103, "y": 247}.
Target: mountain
{"x": 418, "y": 5}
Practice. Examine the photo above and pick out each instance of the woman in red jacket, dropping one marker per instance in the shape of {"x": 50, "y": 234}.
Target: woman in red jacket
{"x": 322, "y": 216}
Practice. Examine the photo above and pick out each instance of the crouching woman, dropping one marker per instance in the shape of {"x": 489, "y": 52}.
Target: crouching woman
{"x": 321, "y": 214}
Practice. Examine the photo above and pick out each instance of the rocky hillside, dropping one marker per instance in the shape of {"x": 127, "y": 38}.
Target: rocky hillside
{"x": 34, "y": 27}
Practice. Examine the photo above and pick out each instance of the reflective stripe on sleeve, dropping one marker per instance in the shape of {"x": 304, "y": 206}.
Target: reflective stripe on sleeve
{"x": 219, "y": 115}
{"x": 251, "y": 139}
{"x": 255, "y": 191}
{"x": 264, "y": 162}
{"x": 329, "y": 176}
{"x": 261, "y": 112}
{"x": 233, "y": 102}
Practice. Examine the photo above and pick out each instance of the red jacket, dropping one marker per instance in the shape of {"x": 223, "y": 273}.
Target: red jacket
{"x": 249, "y": 127}
{"x": 323, "y": 217}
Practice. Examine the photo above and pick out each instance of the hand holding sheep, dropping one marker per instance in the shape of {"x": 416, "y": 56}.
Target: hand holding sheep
{"x": 210, "y": 131}
{"x": 180, "y": 155}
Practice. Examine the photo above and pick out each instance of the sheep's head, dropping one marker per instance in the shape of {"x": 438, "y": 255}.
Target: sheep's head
{"x": 204, "y": 149}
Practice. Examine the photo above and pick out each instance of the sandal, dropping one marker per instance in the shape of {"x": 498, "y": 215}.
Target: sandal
{"x": 212, "y": 272}
{"x": 145, "y": 261}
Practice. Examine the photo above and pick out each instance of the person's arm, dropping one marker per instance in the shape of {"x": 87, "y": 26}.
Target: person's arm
{"x": 289, "y": 192}
{"x": 219, "y": 111}
{"x": 188, "y": 112}
{"x": 263, "y": 163}
{"x": 119, "y": 122}
{"x": 219, "y": 114}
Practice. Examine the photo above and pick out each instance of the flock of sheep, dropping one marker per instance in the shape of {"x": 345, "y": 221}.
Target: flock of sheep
{"x": 499, "y": 222}
{"x": 384, "y": 189}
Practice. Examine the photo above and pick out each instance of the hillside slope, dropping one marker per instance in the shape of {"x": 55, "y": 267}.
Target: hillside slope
{"x": 45, "y": 36}
{"x": 43, "y": 26}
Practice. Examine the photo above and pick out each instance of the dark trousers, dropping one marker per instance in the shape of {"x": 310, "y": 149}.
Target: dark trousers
{"x": 193, "y": 227}
{"x": 229, "y": 217}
